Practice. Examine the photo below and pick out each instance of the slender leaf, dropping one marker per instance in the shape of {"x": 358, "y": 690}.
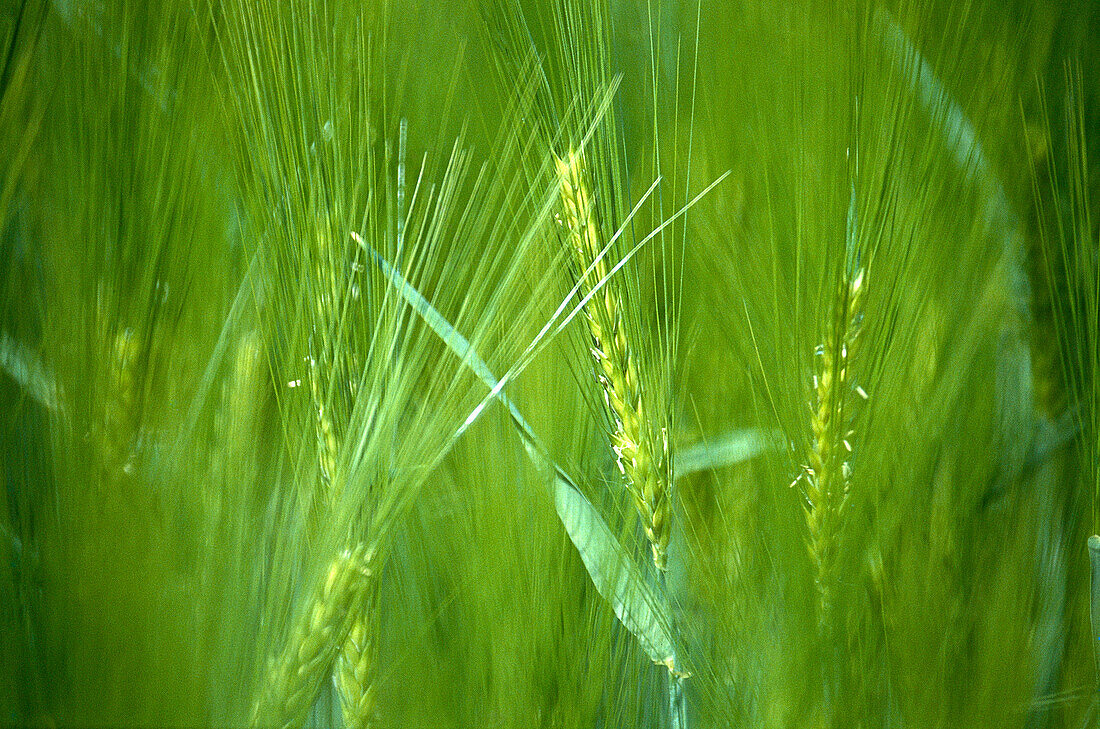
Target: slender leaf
{"x": 613, "y": 571}
{"x": 1094, "y": 604}
{"x": 729, "y": 449}
{"x": 25, "y": 368}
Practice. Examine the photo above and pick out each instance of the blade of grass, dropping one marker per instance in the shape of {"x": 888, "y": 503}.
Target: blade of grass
{"x": 28, "y": 371}
{"x": 1094, "y": 603}
{"x": 614, "y": 573}
{"x": 728, "y": 449}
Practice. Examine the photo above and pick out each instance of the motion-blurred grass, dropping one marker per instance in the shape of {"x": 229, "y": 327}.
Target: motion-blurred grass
{"x": 209, "y": 388}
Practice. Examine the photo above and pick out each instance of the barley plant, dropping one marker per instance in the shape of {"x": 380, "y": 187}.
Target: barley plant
{"x": 558, "y": 363}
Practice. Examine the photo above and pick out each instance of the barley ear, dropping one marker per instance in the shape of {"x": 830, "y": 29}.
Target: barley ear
{"x": 828, "y": 473}
{"x": 355, "y": 667}
{"x": 296, "y": 676}
{"x": 120, "y": 406}
{"x": 327, "y": 442}
{"x": 641, "y": 446}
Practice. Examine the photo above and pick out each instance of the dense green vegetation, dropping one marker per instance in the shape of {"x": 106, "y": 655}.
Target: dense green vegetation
{"x": 561, "y": 363}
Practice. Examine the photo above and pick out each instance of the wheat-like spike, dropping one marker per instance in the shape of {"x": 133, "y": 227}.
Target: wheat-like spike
{"x": 327, "y": 443}
{"x": 296, "y": 676}
{"x": 326, "y": 301}
{"x": 245, "y": 389}
{"x": 355, "y": 664}
{"x": 641, "y": 448}
{"x": 828, "y": 472}
{"x": 120, "y": 406}
{"x": 354, "y": 676}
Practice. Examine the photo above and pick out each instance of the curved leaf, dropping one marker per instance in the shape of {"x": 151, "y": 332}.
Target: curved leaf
{"x": 613, "y": 571}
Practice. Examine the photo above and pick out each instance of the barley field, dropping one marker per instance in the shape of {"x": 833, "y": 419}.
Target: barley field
{"x": 673, "y": 364}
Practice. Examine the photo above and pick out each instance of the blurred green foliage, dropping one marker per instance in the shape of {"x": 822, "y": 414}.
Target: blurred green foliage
{"x": 208, "y": 388}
